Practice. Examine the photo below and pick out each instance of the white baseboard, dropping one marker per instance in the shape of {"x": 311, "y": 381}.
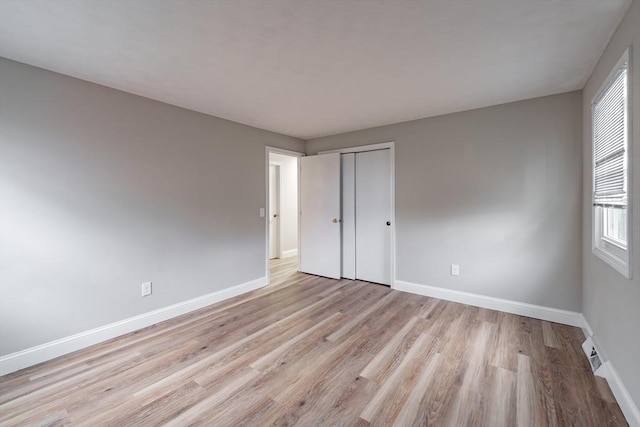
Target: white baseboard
{"x": 626, "y": 403}
{"x": 41, "y": 353}
{"x": 572, "y": 318}
{"x": 290, "y": 253}
{"x": 586, "y": 327}
{"x": 620, "y": 392}
{"x": 556, "y": 315}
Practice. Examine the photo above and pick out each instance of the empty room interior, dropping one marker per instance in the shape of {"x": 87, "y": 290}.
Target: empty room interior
{"x": 320, "y": 213}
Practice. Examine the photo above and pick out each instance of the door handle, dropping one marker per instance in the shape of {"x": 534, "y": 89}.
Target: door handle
{"x": 275, "y": 215}
{"x": 336, "y": 220}
{"x": 388, "y": 222}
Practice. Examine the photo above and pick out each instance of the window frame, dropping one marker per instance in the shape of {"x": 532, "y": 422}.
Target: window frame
{"x": 617, "y": 255}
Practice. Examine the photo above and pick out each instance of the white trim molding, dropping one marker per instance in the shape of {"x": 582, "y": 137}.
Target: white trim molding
{"x": 618, "y": 254}
{"x": 620, "y": 392}
{"x": 289, "y": 253}
{"x": 44, "y": 352}
{"x": 586, "y": 327}
{"x": 550, "y": 314}
{"x": 361, "y": 148}
{"x": 275, "y": 150}
{"x": 626, "y": 403}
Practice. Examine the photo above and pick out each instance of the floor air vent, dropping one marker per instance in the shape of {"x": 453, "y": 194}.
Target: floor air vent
{"x": 593, "y": 356}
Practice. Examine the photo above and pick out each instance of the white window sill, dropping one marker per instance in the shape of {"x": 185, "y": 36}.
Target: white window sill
{"x": 620, "y": 264}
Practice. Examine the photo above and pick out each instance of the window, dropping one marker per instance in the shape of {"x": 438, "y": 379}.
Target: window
{"x": 611, "y": 174}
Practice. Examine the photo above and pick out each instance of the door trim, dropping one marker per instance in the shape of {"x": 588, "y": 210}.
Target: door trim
{"x": 275, "y": 150}
{"x": 278, "y": 187}
{"x": 392, "y": 159}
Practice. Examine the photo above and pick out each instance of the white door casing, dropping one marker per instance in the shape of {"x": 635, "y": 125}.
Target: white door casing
{"x": 320, "y": 252}
{"x": 274, "y": 211}
{"x": 263, "y": 212}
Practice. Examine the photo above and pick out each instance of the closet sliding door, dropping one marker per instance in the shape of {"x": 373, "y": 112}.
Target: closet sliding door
{"x": 345, "y": 215}
{"x": 348, "y": 213}
{"x": 373, "y": 216}
{"x": 320, "y": 215}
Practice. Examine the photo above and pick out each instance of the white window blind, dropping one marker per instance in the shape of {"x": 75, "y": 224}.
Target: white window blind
{"x": 610, "y": 143}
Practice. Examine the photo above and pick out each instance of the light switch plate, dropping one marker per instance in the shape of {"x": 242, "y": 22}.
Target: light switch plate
{"x": 261, "y": 212}
{"x": 146, "y": 289}
{"x": 455, "y": 270}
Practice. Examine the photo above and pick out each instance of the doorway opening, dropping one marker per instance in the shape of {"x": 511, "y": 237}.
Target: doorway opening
{"x": 282, "y": 213}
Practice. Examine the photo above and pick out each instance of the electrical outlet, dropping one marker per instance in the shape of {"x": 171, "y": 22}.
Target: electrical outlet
{"x": 146, "y": 289}
{"x": 455, "y": 270}
{"x": 261, "y": 212}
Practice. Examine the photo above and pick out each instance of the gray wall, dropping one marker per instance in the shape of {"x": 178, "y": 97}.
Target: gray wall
{"x": 101, "y": 190}
{"x": 496, "y": 190}
{"x": 611, "y": 303}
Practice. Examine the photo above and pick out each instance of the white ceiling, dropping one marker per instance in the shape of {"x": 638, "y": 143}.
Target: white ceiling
{"x": 313, "y": 68}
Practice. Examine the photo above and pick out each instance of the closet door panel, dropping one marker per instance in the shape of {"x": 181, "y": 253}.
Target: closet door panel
{"x": 373, "y": 212}
{"x": 320, "y": 215}
{"x": 348, "y": 171}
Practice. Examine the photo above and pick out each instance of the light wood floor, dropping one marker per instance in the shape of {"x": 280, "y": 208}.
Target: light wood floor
{"x": 311, "y": 351}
